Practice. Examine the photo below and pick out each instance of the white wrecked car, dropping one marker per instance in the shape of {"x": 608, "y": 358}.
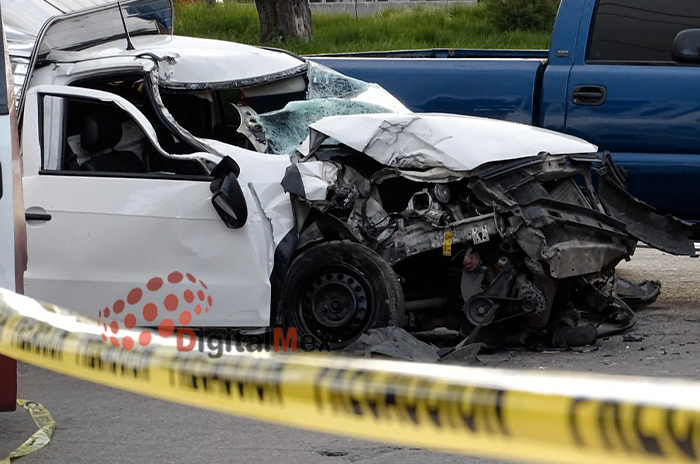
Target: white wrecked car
{"x": 304, "y": 197}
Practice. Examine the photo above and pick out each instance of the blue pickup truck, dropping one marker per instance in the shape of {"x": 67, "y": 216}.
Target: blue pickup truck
{"x": 623, "y": 74}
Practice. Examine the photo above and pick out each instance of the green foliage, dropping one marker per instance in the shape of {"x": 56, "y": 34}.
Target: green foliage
{"x": 452, "y": 27}
{"x": 511, "y": 15}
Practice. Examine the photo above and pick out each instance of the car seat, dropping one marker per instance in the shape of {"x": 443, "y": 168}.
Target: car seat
{"x": 102, "y": 131}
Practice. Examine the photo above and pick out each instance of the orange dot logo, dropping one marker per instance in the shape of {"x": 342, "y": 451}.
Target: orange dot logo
{"x": 158, "y": 308}
{"x": 171, "y": 302}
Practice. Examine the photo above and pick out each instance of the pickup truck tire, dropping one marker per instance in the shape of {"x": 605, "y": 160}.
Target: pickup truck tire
{"x": 340, "y": 289}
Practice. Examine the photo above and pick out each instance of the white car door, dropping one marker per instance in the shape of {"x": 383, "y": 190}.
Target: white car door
{"x": 93, "y": 237}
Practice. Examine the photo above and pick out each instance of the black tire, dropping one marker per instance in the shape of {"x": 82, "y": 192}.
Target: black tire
{"x": 340, "y": 289}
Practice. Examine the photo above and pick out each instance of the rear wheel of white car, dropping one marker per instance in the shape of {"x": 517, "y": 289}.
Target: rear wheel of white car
{"x": 340, "y": 290}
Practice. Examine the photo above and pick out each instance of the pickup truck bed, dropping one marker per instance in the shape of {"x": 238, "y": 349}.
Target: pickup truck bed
{"x": 454, "y": 81}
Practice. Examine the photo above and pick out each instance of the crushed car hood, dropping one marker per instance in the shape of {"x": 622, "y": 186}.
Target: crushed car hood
{"x": 422, "y": 142}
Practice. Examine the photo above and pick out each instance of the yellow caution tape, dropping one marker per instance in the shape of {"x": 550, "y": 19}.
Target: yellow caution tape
{"x": 42, "y": 418}
{"x": 553, "y": 418}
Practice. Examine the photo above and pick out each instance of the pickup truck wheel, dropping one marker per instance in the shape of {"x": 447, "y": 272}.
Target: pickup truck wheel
{"x": 340, "y": 289}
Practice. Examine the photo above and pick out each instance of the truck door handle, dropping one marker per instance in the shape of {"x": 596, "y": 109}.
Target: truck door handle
{"x": 589, "y": 95}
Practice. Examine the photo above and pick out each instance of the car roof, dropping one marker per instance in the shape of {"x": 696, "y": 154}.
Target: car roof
{"x": 193, "y": 63}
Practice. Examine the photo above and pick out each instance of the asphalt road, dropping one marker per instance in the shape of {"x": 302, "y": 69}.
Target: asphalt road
{"x": 99, "y": 424}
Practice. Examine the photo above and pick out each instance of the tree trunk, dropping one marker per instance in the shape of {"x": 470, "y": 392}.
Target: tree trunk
{"x": 283, "y": 20}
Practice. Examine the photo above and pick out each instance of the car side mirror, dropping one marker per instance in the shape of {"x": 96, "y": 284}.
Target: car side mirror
{"x": 228, "y": 199}
{"x": 686, "y": 46}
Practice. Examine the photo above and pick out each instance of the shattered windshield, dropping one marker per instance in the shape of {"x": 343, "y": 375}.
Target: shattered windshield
{"x": 274, "y": 117}
{"x": 329, "y": 93}
{"x": 285, "y": 129}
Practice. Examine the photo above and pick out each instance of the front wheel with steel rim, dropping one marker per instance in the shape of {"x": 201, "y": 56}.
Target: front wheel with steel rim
{"x": 340, "y": 290}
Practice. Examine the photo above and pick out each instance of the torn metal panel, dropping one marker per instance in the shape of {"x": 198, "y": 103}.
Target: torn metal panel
{"x": 436, "y": 175}
{"x": 151, "y": 87}
{"x": 251, "y": 129}
{"x": 666, "y": 233}
{"x": 310, "y": 180}
{"x": 269, "y": 229}
{"x": 563, "y": 230}
{"x": 317, "y": 177}
{"x": 420, "y": 142}
{"x": 292, "y": 182}
{"x": 572, "y": 241}
{"x": 637, "y": 295}
{"x": 577, "y": 257}
{"x": 545, "y": 213}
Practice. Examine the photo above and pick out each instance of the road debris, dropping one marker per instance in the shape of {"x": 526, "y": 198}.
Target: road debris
{"x": 465, "y": 355}
{"x": 392, "y": 342}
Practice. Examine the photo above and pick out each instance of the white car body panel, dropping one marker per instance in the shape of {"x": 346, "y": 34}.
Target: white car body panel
{"x": 109, "y": 235}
